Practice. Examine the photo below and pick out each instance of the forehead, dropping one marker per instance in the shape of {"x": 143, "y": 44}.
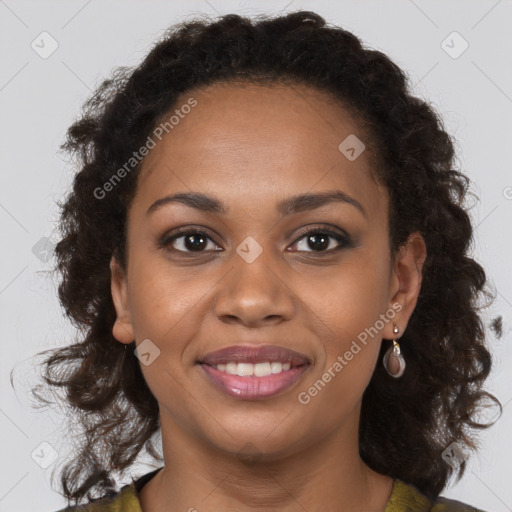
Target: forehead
{"x": 257, "y": 142}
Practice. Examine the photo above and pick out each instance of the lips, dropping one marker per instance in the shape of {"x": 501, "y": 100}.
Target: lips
{"x": 263, "y": 371}
{"x": 254, "y": 355}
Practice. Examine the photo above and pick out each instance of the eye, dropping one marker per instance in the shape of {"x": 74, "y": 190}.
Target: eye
{"x": 188, "y": 241}
{"x": 322, "y": 240}
{"x": 318, "y": 239}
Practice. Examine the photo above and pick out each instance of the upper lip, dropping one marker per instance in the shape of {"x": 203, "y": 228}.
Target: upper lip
{"x": 254, "y": 354}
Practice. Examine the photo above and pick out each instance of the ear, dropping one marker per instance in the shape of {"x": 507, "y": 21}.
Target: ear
{"x": 122, "y": 328}
{"x": 405, "y": 282}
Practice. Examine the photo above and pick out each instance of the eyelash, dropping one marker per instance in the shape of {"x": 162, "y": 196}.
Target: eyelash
{"x": 344, "y": 241}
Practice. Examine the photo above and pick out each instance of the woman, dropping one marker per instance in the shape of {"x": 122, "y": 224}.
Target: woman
{"x": 267, "y": 250}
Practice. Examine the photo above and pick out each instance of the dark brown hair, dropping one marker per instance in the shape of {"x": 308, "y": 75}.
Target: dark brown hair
{"x": 406, "y": 423}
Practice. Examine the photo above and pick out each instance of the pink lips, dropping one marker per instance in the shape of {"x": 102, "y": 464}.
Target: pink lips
{"x": 252, "y": 387}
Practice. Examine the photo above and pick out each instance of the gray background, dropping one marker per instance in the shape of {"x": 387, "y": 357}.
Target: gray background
{"x": 40, "y": 97}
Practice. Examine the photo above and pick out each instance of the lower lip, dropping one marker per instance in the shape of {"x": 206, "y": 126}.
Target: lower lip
{"x": 254, "y": 388}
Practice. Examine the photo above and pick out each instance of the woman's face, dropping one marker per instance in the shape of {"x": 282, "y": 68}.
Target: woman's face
{"x": 241, "y": 159}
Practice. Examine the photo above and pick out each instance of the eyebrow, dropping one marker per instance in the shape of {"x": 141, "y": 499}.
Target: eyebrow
{"x": 294, "y": 204}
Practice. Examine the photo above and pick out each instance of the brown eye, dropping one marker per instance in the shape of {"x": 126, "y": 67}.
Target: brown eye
{"x": 321, "y": 240}
{"x": 189, "y": 241}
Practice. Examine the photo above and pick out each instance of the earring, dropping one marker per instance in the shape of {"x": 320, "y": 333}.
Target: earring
{"x": 397, "y": 359}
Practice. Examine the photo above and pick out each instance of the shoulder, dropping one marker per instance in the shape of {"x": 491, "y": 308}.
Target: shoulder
{"x": 407, "y": 497}
{"x": 447, "y": 505}
{"x": 123, "y": 501}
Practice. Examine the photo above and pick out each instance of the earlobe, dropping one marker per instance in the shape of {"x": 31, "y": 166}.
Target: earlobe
{"x": 122, "y": 329}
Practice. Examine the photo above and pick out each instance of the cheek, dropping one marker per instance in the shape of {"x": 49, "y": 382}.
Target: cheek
{"x": 350, "y": 305}
{"x": 161, "y": 300}
{"x": 351, "y": 346}
{"x": 164, "y": 308}
{"x": 350, "y": 297}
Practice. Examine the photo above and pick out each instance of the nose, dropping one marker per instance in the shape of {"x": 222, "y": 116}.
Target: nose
{"x": 254, "y": 295}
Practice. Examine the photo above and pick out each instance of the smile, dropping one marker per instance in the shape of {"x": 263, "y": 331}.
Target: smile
{"x": 249, "y": 369}
{"x": 254, "y": 372}
{"x": 250, "y": 386}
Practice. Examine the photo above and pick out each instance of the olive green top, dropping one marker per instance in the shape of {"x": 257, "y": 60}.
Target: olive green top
{"x": 403, "y": 498}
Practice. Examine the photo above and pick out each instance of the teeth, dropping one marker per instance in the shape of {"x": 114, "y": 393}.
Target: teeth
{"x": 277, "y": 367}
{"x": 250, "y": 369}
{"x": 245, "y": 369}
{"x": 231, "y": 368}
{"x": 262, "y": 369}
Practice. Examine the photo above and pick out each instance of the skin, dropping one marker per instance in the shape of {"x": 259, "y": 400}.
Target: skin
{"x": 250, "y": 147}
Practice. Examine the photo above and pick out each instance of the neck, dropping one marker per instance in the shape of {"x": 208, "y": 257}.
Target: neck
{"x": 197, "y": 476}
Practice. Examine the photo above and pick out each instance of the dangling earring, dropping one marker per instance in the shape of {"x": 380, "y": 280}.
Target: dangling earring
{"x": 397, "y": 357}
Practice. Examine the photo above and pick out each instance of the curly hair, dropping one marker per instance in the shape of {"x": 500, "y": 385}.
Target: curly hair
{"x": 405, "y": 424}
